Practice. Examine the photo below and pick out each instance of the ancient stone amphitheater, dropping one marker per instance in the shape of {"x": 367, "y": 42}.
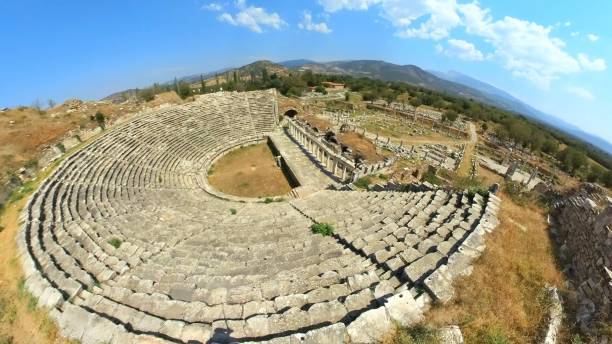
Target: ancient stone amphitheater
{"x": 188, "y": 271}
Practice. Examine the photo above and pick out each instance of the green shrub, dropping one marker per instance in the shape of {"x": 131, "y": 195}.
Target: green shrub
{"x": 431, "y": 178}
{"x": 233, "y": 211}
{"x": 268, "y": 200}
{"x": 418, "y": 334}
{"x": 383, "y": 176}
{"x": 517, "y": 193}
{"x": 363, "y": 182}
{"x": 325, "y": 229}
{"x": 115, "y": 242}
{"x": 576, "y": 339}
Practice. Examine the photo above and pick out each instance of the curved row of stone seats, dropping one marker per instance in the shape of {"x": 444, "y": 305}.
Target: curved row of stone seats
{"x": 186, "y": 268}
{"x": 407, "y": 235}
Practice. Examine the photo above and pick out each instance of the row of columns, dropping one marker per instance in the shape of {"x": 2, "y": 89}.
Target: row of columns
{"x": 331, "y": 161}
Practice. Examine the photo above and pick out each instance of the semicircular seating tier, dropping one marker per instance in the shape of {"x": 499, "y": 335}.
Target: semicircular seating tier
{"x": 187, "y": 270}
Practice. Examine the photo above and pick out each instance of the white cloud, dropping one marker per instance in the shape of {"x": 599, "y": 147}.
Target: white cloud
{"x": 593, "y": 37}
{"x": 461, "y": 49}
{"x": 581, "y": 93}
{"x": 527, "y": 49}
{"x": 596, "y": 65}
{"x": 337, "y": 5}
{"x": 524, "y": 48}
{"x": 213, "y": 6}
{"x": 575, "y": 34}
{"x": 307, "y": 24}
{"x": 252, "y": 18}
{"x": 442, "y": 17}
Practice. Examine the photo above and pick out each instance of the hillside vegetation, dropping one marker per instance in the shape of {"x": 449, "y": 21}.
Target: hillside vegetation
{"x": 572, "y": 155}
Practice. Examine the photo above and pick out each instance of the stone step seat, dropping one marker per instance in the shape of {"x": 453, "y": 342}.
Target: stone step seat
{"x": 88, "y": 260}
{"x": 63, "y": 260}
{"x": 52, "y": 270}
{"x": 342, "y": 300}
{"x": 316, "y": 270}
{"x": 142, "y": 323}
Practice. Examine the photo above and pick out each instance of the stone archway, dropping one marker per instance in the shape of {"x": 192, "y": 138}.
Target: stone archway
{"x": 291, "y": 113}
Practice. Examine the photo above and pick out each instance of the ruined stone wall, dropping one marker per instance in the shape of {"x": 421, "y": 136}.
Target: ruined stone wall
{"x": 583, "y": 230}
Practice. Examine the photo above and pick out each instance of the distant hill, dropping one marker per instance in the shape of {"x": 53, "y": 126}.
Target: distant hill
{"x": 507, "y": 101}
{"x": 456, "y": 84}
{"x": 453, "y": 83}
{"x": 296, "y": 63}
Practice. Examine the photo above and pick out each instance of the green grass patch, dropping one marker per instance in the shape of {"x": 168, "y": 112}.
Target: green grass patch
{"x": 115, "y": 242}
{"x": 325, "y": 229}
{"x": 233, "y": 211}
{"x": 31, "y": 301}
{"x": 363, "y": 182}
{"x": 431, "y": 178}
{"x": 268, "y": 200}
{"x": 418, "y": 334}
{"x": 20, "y": 193}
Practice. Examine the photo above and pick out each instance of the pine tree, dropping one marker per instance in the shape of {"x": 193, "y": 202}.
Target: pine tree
{"x": 203, "y": 89}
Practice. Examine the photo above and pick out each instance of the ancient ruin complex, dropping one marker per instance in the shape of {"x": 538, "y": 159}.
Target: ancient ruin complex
{"x": 126, "y": 242}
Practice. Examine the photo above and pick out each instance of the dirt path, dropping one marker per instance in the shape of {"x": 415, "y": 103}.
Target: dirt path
{"x": 466, "y": 162}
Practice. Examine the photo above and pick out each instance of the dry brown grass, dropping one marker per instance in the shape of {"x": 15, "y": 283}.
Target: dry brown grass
{"x": 489, "y": 177}
{"x": 20, "y": 320}
{"x": 504, "y": 294}
{"x": 321, "y": 124}
{"x": 362, "y": 146}
{"x": 249, "y": 172}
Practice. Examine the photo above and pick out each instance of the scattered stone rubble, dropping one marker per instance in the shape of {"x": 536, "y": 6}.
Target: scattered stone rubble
{"x": 124, "y": 245}
{"x": 582, "y": 227}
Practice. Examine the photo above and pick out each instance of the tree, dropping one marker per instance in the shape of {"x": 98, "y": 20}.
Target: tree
{"x": 101, "y": 119}
{"x": 550, "y": 146}
{"x": 596, "y": 173}
{"x": 449, "y": 116}
{"x": 184, "y": 90}
{"x": 485, "y": 126}
{"x": 202, "y": 84}
{"x": 147, "y": 94}
{"x": 571, "y": 159}
{"x": 264, "y": 75}
{"x": 235, "y": 77}
{"x": 51, "y": 103}
{"x": 320, "y": 89}
{"x": 415, "y": 102}
{"x": 607, "y": 179}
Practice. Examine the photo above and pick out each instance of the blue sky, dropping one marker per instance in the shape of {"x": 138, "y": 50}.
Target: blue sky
{"x": 552, "y": 54}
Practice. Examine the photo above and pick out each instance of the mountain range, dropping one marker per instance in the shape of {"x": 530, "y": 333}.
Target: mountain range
{"x": 451, "y": 82}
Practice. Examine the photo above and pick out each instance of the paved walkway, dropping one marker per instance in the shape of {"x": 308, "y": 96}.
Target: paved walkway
{"x": 306, "y": 168}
